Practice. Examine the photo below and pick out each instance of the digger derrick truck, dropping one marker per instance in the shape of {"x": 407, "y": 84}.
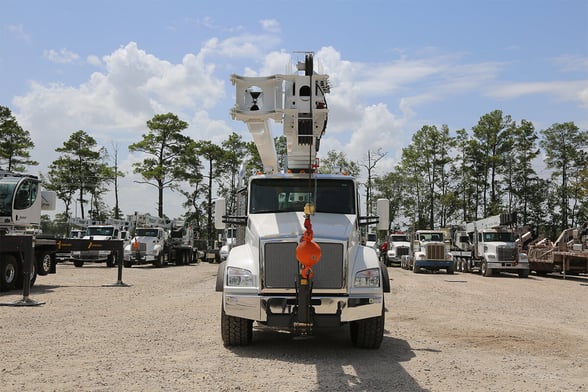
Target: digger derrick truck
{"x": 109, "y": 230}
{"x": 488, "y": 245}
{"x": 298, "y": 263}
{"x": 21, "y": 202}
{"x": 158, "y": 242}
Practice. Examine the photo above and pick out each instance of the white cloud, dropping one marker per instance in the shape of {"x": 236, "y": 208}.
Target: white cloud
{"x": 62, "y": 56}
{"x": 270, "y": 25}
{"x": 94, "y": 60}
{"x": 19, "y": 32}
{"x": 573, "y": 91}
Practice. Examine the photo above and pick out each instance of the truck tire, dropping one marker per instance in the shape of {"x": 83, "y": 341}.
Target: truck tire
{"x": 110, "y": 261}
{"x": 78, "y": 263}
{"x": 368, "y": 333}
{"x": 44, "y": 262}
{"x": 485, "y": 270}
{"x": 524, "y": 273}
{"x": 9, "y": 272}
{"x": 220, "y": 277}
{"x": 236, "y": 331}
{"x": 127, "y": 263}
{"x": 157, "y": 262}
{"x": 449, "y": 270}
{"x": 385, "y": 278}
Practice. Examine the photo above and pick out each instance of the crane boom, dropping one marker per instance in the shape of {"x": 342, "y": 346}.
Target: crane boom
{"x": 297, "y": 101}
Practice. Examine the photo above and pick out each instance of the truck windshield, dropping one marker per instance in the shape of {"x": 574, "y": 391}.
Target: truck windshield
{"x": 106, "y": 231}
{"x": 288, "y": 195}
{"x": 398, "y": 238}
{"x": 24, "y": 196}
{"x": 499, "y": 237}
{"x": 146, "y": 232}
{"x": 429, "y": 237}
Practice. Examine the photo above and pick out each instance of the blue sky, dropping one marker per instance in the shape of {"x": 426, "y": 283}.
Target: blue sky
{"x": 107, "y": 67}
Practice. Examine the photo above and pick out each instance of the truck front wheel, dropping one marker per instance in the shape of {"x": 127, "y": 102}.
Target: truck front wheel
{"x": 44, "y": 263}
{"x": 485, "y": 270}
{"x": 236, "y": 331}
{"x": 9, "y": 270}
{"x": 368, "y": 333}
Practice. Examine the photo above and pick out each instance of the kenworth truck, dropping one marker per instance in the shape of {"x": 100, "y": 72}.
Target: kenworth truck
{"x": 298, "y": 263}
{"x": 158, "y": 241}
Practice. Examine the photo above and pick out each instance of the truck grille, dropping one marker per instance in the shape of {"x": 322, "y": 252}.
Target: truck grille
{"x": 435, "y": 251}
{"x": 281, "y": 267}
{"x": 505, "y": 254}
{"x": 402, "y": 250}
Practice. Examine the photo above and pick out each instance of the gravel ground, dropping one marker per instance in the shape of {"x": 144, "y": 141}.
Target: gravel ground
{"x": 458, "y": 332}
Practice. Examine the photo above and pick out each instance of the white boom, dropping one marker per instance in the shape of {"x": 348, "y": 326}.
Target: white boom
{"x": 298, "y": 101}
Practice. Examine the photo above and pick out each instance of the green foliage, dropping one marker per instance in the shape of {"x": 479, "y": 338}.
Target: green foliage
{"x": 164, "y": 147}
{"x": 81, "y": 169}
{"x": 15, "y": 143}
{"x": 336, "y": 162}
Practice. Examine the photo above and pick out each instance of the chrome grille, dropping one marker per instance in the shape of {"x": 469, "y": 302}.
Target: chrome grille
{"x": 505, "y": 254}
{"x": 435, "y": 251}
{"x": 401, "y": 250}
{"x": 280, "y": 269}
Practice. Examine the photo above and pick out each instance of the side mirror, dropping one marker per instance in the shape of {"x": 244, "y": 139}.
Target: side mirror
{"x": 219, "y": 211}
{"x": 383, "y": 211}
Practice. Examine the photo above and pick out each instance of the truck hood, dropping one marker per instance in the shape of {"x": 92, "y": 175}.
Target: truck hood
{"x": 291, "y": 224}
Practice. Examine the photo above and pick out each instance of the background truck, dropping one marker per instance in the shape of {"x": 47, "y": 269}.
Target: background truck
{"x": 488, "y": 245}
{"x": 567, "y": 255}
{"x": 428, "y": 251}
{"x": 21, "y": 203}
{"x": 284, "y": 217}
{"x": 398, "y": 246}
{"x": 159, "y": 242}
{"x": 112, "y": 229}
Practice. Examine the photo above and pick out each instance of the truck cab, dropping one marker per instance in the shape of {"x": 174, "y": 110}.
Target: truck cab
{"x": 398, "y": 246}
{"x": 100, "y": 233}
{"x": 146, "y": 247}
{"x": 498, "y": 252}
{"x": 430, "y": 252}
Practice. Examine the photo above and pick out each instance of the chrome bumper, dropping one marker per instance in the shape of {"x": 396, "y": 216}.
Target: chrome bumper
{"x": 262, "y": 308}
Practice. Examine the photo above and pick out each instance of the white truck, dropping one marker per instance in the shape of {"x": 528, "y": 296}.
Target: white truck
{"x": 398, "y": 246}
{"x": 112, "y": 229}
{"x": 267, "y": 278}
{"x": 21, "y": 202}
{"x": 488, "y": 245}
{"x": 159, "y": 242}
{"x": 429, "y": 252}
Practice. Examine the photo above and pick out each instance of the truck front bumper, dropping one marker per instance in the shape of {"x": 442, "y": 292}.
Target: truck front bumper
{"x": 280, "y": 310}
{"x": 507, "y": 266}
{"x": 433, "y": 264}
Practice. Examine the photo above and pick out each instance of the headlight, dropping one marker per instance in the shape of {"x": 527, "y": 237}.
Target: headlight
{"x": 367, "y": 278}
{"x": 239, "y": 277}
{"x": 491, "y": 257}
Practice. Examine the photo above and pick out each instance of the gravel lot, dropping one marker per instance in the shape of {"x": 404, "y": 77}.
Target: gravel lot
{"x": 458, "y": 332}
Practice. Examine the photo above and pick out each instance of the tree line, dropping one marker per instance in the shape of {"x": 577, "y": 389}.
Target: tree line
{"x": 443, "y": 177}
{"x": 446, "y": 178}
